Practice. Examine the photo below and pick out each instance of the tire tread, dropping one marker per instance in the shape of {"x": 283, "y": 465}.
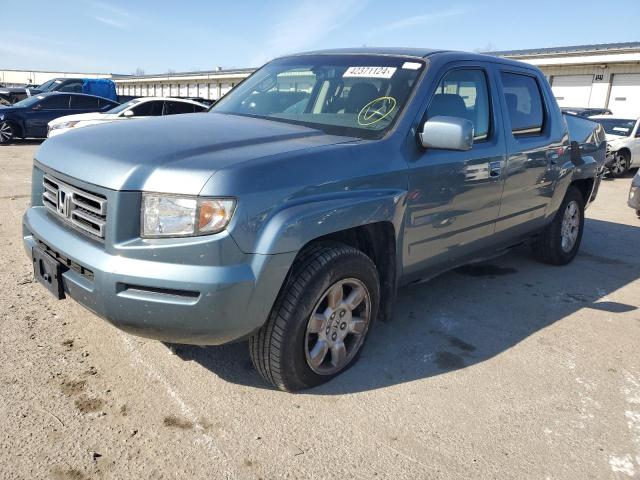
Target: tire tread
{"x": 266, "y": 346}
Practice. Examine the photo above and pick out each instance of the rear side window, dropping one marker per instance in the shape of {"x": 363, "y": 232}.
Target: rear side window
{"x": 524, "y": 103}
{"x": 173, "y": 108}
{"x": 148, "y": 109}
{"x": 72, "y": 87}
{"x": 463, "y": 93}
{"x": 84, "y": 103}
{"x": 56, "y": 102}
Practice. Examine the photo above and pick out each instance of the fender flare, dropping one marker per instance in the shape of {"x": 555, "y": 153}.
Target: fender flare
{"x": 294, "y": 226}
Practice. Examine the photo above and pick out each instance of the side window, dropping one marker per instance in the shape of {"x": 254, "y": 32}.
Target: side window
{"x": 464, "y": 94}
{"x": 72, "y": 87}
{"x": 80, "y": 102}
{"x": 148, "y": 109}
{"x": 524, "y": 103}
{"x": 174, "y": 108}
{"x": 56, "y": 102}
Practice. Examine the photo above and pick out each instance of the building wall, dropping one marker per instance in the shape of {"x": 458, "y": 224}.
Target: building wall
{"x": 209, "y": 85}
{"x": 603, "y": 77}
{"x": 12, "y": 78}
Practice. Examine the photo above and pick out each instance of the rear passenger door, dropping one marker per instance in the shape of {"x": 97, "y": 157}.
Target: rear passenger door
{"x": 533, "y": 151}
{"x": 454, "y": 196}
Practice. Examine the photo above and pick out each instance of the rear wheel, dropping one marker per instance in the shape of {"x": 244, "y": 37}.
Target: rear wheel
{"x": 620, "y": 164}
{"x": 6, "y": 133}
{"x": 559, "y": 242}
{"x": 321, "y": 319}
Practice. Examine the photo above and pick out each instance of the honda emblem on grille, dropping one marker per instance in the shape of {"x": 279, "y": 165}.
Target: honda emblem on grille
{"x": 64, "y": 201}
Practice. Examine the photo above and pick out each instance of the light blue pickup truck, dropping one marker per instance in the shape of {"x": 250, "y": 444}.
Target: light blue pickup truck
{"x": 292, "y": 212}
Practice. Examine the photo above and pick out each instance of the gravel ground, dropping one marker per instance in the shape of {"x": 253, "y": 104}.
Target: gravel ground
{"x": 507, "y": 369}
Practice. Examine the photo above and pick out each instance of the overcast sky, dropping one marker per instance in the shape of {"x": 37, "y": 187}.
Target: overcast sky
{"x": 120, "y": 36}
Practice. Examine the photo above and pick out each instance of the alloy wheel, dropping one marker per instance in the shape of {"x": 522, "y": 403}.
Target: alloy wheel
{"x": 570, "y": 226}
{"x": 6, "y": 133}
{"x": 619, "y": 164}
{"x": 337, "y": 327}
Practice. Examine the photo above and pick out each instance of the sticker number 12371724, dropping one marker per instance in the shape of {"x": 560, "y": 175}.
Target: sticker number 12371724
{"x": 370, "y": 72}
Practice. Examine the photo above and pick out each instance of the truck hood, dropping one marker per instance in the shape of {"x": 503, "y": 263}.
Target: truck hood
{"x": 173, "y": 154}
{"x": 6, "y": 90}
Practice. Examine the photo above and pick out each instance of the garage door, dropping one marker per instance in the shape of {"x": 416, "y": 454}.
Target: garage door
{"x": 624, "y": 99}
{"x": 572, "y": 90}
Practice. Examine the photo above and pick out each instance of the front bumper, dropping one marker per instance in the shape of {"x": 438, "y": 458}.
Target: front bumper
{"x": 181, "y": 302}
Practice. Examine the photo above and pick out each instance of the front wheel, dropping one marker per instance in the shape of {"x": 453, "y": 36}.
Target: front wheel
{"x": 321, "y": 319}
{"x": 559, "y": 242}
{"x": 620, "y": 164}
{"x": 6, "y": 133}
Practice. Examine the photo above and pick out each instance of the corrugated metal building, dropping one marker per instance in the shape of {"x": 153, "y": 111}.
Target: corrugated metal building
{"x": 603, "y": 76}
{"x": 606, "y": 75}
{"x": 211, "y": 84}
{"x": 14, "y": 78}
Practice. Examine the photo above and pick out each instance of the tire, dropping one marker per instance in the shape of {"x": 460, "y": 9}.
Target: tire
{"x": 288, "y": 350}
{"x": 7, "y": 133}
{"x": 620, "y": 164}
{"x": 549, "y": 247}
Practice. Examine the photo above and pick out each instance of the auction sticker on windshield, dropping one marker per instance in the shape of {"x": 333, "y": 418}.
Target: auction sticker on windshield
{"x": 369, "y": 72}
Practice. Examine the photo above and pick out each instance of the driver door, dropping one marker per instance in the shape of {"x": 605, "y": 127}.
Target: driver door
{"x": 454, "y": 196}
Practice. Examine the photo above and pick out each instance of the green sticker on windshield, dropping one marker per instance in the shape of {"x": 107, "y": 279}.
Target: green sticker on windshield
{"x": 376, "y": 110}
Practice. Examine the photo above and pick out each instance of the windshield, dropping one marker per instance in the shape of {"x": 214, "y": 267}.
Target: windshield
{"x": 28, "y": 102}
{"x": 123, "y": 107}
{"x": 50, "y": 85}
{"x": 615, "y": 126}
{"x": 359, "y": 95}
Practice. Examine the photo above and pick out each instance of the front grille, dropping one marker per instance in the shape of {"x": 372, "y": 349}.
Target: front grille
{"x": 84, "y": 210}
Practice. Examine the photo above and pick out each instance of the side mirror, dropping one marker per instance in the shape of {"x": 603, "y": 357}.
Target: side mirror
{"x": 37, "y": 107}
{"x": 128, "y": 113}
{"x": 447, "y": 133}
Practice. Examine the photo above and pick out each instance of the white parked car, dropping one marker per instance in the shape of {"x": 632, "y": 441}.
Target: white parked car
{"x": 623, "y": 142}
{"x": 136, "y": 108}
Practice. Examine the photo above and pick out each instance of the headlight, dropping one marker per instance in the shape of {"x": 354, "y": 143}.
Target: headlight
{"x": 184, "y": 216}
{"x": 65, "y": 125}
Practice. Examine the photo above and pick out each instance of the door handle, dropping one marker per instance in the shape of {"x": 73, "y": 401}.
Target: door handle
{"x": 495, "y": 169}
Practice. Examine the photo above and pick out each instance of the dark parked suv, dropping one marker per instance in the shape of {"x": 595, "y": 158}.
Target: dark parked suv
{"x": 291, "y": 213}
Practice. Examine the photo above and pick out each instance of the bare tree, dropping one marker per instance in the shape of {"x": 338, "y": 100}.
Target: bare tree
{"x": 489, "y": 47}
{"x": 139, "y": 72}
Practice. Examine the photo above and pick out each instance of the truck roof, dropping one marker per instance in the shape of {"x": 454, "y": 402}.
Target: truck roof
{"x": 416, "y": 53}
